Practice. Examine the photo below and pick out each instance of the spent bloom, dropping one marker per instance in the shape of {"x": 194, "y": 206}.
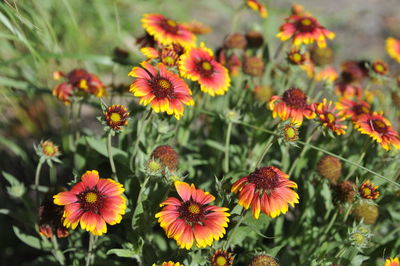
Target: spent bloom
{"x": 304, "y": 29}
{"x": 379, "y": 129}
{"x": 330, "y": 167}
{"x": 51, "y": 219}
{"x": 393, "y": 48}
{"x": 192, "y": 219}
{"x": 368, "y": 190}
{"x": 222, "y": 258}
{"x": 267, "y": 189}
{"x": 167, "y": 31}
{"x": 293, "y": 104}
{"x": 116, "y": 117}
{"x": 93, "y": 203}
{"x": 199, "y": 64}
{"x": 257, "y": 6}
{"x": 327, "y": 115}
{"x": 161, "y": 88}
{"x": 166, "y": 156}
{"x": 262, "y": 260}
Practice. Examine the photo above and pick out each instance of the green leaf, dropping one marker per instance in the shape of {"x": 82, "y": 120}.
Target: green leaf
{"x": 13, "y": 181}
{"x": 14, "y": 148}
{"x": 124, "y": 253}
{"x": 216, "y": 145}
{"x": 101, "y": 147}
{"x": 32, "y": 241}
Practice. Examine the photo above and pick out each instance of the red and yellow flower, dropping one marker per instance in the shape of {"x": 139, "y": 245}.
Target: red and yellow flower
{"x": 348, "y": 90}
{"x": 93, "y": 202}
{"x": 393, "y": 48}
{"x": 293, "y": 104}
{"x": 170, "y": 263}
{"x": 304, "y": 29}
{"x": 368, "y": 190}
{"x": 267, "y": 189}
{"x": 222, "y": 258}
{"x": 327, "y": 74}
{"x": 379, "y": 129}
{"x": 197, "y": 27}
{"x": 329, "y": 118}
{"x": 199, "y": 64}
{"x": 164, "y": 90}
{"x": 168, "y": 55}
{"x": 352, "y": 109}
{"x": 116, "y": 117}
{"x": 296, "y": 56}
{"x": 257, "y": 6}
{"x": 167, "y": 31}
{"x": 192, "y": 219}
{"x": 380, "y": 67}
{"x": 392, "y": 262}
{"x": 64, "y": 92}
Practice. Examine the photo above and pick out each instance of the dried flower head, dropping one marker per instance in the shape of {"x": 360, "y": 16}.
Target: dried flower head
{"x": 167, "y": 156}
{"x": 363, "y": 211}
{"x": 235, "y": 41}
{"x": 254, "y": 39}
{"x": 345, "y": 191}
{"x": 322, "y": 56}
{"x": 263, "y": 260}
{"x": 330, "y": 167}
{"x": 253, "y": 66}
{"x": 263, "y": 93}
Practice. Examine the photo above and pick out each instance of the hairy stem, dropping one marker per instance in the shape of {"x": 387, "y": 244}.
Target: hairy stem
{"x": 228, "y": 241}
{"x": 110, "y": 156}
{"x": 265, "y": 150}
{"x": 227, "y": 143}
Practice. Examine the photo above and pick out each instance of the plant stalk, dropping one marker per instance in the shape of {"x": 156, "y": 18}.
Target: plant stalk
{"x": 110, "y": 156}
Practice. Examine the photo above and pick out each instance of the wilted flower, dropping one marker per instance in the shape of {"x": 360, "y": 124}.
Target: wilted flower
{"x": 354, "y": 71}
{"x": 51, "y": 218}
{"x": 329, "y": 118}
{"x": 254, "y": 39}
{"x": 304, "y": 29}
{"x": 199, "y": 64}
{"x": 259, "y": 7}
{"x": 293, "y": 104}
{"x": 263, "y": 260}
{"x": 233, "y": 64}
{"x": 192, "y": 220}
{"x": 167, "y": 31}
{"x": 379, "y": 129}
{"x": 327, "y": 74}
{"x": 93, "y": 202}
{"x": 253, "y": 66}
{"x": 64, "y": 92}
{"x": 166, "y": 156}
{"x": 267, "y": 189}
{"x": 348, "y": 90}
{"x": 393, "y": 48}
{"x": 235, "y": 40}
{"x": 164, "y": 90}
{"x": 222, "y": 258}
{"x": 116, "y": 117}
{"x": 345, "y": 191}
{"x": 368, "y": 190}
{"x": 330, "y": 167}
{"x": 363, "y": 211}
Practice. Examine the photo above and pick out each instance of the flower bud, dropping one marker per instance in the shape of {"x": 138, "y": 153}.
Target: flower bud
{"x": 235, "y": 40}
{"x": 330, "y": 167}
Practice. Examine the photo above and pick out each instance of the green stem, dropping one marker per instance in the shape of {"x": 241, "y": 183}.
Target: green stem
{"x": 278, "y": 50}
{"x": 228, "y": 241}
{"x": 346, "y": 215}
{"x": 265, "y": 150}
{"x": 56, "y": 251}
{"x": 90, "y": 255}
{"x": 53, "y": 176}
{"x": 37, "y": 176}
{"x": 303, "y": 151}
{"x": 235, "y": 18}
{"x": 110, "y": 156}
{"x": 227, "y": 143}
{"x": 363, "y": 153}
{"x": 138, "y": 138}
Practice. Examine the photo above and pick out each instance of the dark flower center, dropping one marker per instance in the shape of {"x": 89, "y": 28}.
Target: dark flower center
{"x": 91, "y": 200}
{"x": 360, "y": 109}
{"x": 378, "y": 125}
{"x": 205, "y": 68}
{"x": 306, "y": 24}
{"x": 162, "y": 88}
{"x": 170, "y": 25}
{"x": 295, "y": 98}
{"x": 264, "y": 178}
{"x": 191, "y": 212}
